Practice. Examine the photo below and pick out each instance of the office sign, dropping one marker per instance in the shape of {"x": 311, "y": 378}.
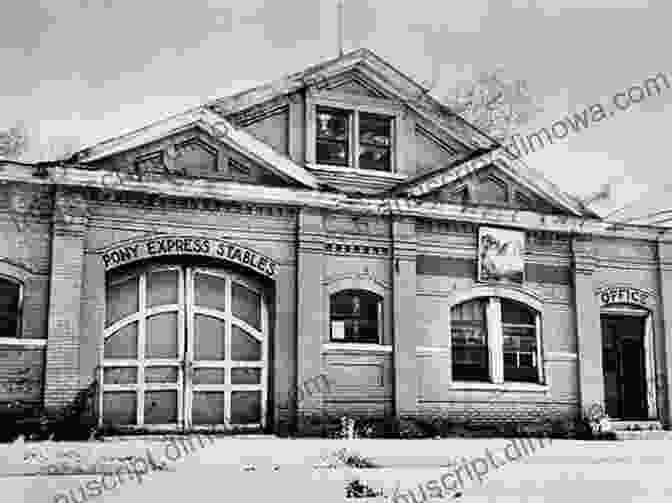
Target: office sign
{"x": 624, "y": 295}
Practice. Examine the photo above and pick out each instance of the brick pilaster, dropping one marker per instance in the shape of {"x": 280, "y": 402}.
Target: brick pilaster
{"x": 62, "y": 375}
{"x": 404, "y": 317}
{"x": 665, "y": 299}
{"x": 311, "y": 318}
{"x": 588, "y": 331}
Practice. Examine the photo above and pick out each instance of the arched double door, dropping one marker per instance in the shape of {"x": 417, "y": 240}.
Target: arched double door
{"x": 184, "y": 347}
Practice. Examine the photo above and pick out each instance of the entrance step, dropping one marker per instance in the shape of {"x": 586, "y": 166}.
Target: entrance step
{"x": 643, "y": 425}
{"x": 640, "y": 430}
{"x": 644, "y": 435}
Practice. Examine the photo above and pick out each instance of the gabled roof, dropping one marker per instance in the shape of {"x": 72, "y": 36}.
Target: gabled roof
{"x": 395, "y": 83}
{"x": 212, "y": 124}
{"x": 529, "y": 178}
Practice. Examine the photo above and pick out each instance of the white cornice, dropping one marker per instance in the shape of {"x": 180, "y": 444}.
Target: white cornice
{"x": 230, "y": 191}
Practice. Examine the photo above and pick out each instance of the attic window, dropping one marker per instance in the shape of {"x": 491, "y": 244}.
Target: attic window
{"x": 493, "y": 190}
{"x": 354, "y": 139}
{"x": 461, "y": 195}
{"x": 238, "y": 167}
{"x": 333, "y": 132}
{"x": 523, "y": 201}
{"x": 150, "y": 163}
{"x": 374, "y": 142}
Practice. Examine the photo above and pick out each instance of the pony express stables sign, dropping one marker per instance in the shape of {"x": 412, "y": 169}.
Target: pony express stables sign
{"x": 188, "y": 245}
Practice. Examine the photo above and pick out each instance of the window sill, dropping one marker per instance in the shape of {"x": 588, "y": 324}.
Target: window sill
{"x": 507, "y": 386}
{"x": 356, "y": 171}
{"x": 25, "y": 343}
{"x": 356, "y": 346}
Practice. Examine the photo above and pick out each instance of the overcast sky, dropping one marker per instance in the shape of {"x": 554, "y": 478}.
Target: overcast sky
{"x": 93, "y": 69}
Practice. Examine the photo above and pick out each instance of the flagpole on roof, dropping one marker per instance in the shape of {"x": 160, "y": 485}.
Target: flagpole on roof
{"x": 340, "y": 8}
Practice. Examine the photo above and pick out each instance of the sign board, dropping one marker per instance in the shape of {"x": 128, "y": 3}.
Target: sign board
{"x": 624, "y": 295}
{"x": 501, "y": 255}
{"x": 162, "y": 246}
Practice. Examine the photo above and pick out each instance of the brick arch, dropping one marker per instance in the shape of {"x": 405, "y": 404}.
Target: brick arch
{"x": 519, "y": 294}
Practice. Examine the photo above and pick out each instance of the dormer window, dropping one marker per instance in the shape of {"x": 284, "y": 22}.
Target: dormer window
{"x": 375, "y": 142}
{"x": 353, "y": 138}
{"x": 333, "y": 135}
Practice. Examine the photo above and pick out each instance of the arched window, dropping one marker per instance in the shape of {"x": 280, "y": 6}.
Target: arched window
{"x": 356, "y": 316}
{"x": 519, "y": 332}
{"x": 495, "y": 340}
{"x": 470, "y": 341}
{"x": 10, "y": 308}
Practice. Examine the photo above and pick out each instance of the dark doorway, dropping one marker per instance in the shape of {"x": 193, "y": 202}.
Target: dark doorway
{"x": 623, "y": 366}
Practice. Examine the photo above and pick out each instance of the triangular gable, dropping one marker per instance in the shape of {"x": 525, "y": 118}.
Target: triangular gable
{"x": 532, "y": 184}
{"x": 216, "y": 127}
{"x": 373, "y": 75}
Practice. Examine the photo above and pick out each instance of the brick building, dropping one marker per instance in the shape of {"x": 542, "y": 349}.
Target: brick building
{"x": 338, "y": 221}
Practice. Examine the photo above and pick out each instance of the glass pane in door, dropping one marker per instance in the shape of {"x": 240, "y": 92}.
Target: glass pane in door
{"x": 244, "y": 347}
{"x": 209, "y": 376}
{"x": 123, "y": 344}
{"x": 209, "y": 334}
{"x": 246, "y": 305}
{"x": 246, "y": 375}
{"x": 210, "y": 291}
{"x": 245, "y": 407}
{"x": 162, "y": 288}
{"x": 160, "y": 407}
{"x": 162, "y": 334}
{"x": 122, "y": 300}
{"x": 208, "y": 407}
{"x": 119, "y": 407}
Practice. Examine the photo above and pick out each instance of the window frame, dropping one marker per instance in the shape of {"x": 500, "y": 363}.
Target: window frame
{"x": 354, "y": 105}
{"x": 482, "y": 324}
{"x": 379, "y": 321}
{"x": 19, "y": 308}
{"x": 495, "y": 337}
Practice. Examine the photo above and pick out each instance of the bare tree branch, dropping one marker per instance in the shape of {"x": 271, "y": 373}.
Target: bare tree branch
{"x": 13, "y": 141}
{"x": 494, "y": 103}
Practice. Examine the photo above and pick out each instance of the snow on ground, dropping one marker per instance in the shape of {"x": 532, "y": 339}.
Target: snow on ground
{"x": 261, "y": 468}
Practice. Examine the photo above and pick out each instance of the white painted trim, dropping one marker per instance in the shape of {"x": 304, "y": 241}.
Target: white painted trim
{"x": 432, "y": 349}
{"x": 25, "y": 343}
{"x": 505, "y": 386}
{"x": 232, "y": 191}
{"x": 624, "y": 311}
{"x": 363, "y": 281}
{"x": 517, "y": 293}
{"x": 371, "y": 173}
{"x": 495, "y": 341}
{"x": 561, "y": 356}
{"x": 650, "y": 368}
{"x": 354, "y": 346}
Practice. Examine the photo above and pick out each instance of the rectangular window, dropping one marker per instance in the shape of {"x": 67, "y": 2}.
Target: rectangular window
{"x": 375, "y": 142}
{"x": 519, "y": 332}
{"x": 333, "y": 135}
{"x": 469, "y": 341}
{"x": 356, "y": 316}
{"x": 353, "y": 139}
{"x": 10, "y": 298}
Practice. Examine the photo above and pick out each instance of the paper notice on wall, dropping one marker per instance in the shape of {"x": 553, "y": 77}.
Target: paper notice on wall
{"x": 338, "y": 330}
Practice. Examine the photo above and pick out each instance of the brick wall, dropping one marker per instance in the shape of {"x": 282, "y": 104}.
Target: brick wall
{"x": 21, "y": 374}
